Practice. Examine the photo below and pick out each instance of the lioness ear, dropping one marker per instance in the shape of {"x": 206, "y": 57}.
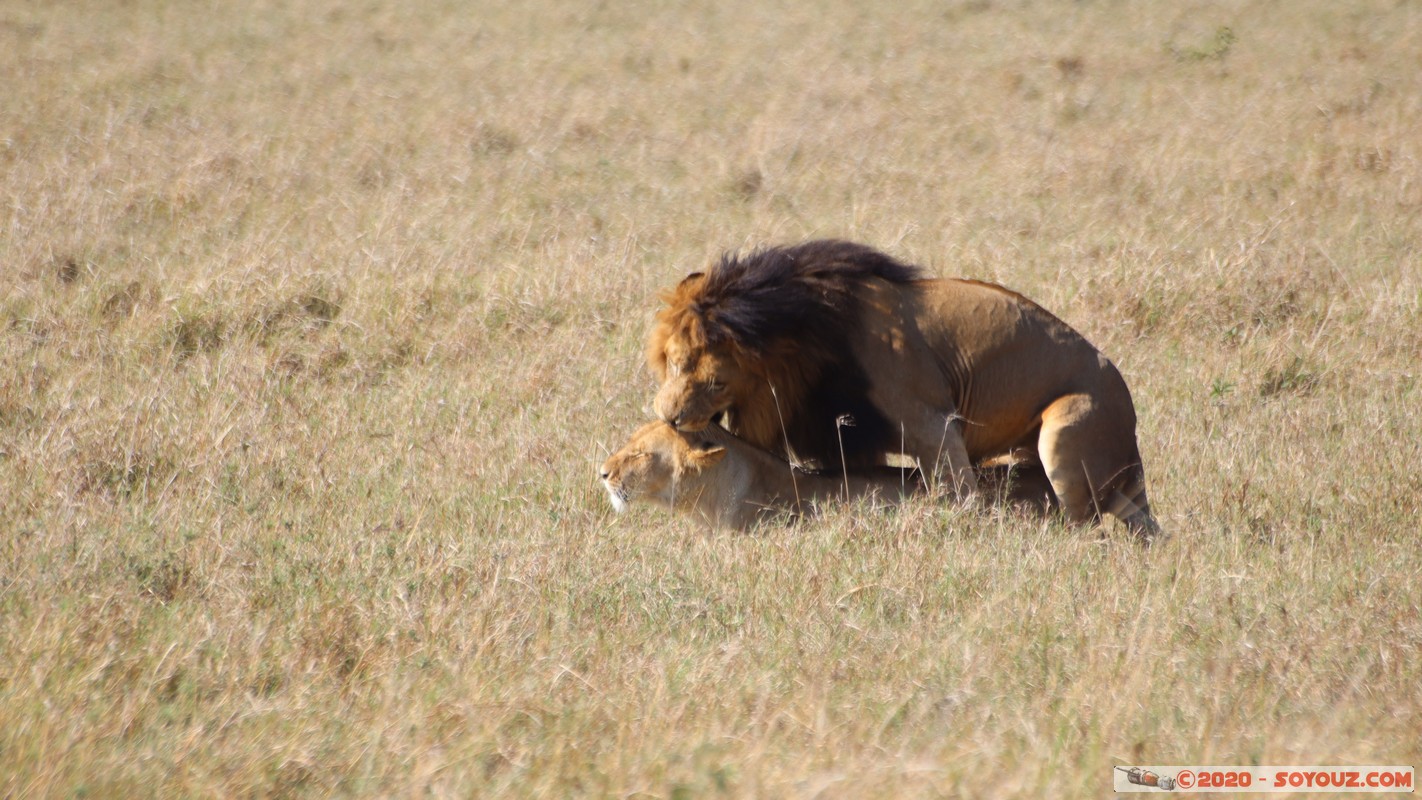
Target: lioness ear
{"x": 703, "y": 458}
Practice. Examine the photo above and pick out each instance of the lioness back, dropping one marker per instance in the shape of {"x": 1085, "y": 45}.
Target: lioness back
{"x": 727, "y": 481}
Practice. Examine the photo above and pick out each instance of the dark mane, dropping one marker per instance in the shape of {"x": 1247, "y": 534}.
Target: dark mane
{"x": 789, "y": 314}
{"x": 805, "y": 290}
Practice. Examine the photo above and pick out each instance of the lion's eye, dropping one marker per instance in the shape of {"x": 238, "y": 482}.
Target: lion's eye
{"x": 715, "y": 385}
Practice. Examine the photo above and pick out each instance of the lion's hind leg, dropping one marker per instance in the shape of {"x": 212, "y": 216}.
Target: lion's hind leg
{"x": 1090, "y": 456}
{"x": 1129, "y": 504}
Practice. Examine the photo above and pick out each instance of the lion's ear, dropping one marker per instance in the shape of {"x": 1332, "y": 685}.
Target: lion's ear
{"x": 679, "y": 293}
{"x": 708, "y": 457}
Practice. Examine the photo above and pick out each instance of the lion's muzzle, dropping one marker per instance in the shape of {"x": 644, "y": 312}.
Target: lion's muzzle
{"x": 674, "y": 406}
{"x": 667, "y": 406}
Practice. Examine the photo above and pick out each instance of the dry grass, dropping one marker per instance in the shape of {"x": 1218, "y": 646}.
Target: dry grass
{"x": 315, "y": 319}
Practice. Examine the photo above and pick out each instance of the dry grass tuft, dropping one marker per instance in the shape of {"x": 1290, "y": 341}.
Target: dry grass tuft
{"x": 315, "y": 322}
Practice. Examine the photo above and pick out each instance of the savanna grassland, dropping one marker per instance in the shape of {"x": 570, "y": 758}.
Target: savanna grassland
{"x": 316, "y": 319}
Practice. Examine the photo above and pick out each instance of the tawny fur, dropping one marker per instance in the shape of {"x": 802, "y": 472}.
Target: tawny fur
{"x": 728, "y": 482}
{"x": 830, "y": 353}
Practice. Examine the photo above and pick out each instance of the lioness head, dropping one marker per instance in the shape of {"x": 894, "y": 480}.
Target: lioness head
{"x": 653, "y": 462}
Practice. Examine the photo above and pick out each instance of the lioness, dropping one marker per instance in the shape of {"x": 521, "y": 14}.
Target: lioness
{"x": 834, "y": 354}
{"x": 726, "y": 481}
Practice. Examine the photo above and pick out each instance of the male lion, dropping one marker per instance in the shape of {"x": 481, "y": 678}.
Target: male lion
{"x": 834, "y": 354}
{"x": 726, "y": 481}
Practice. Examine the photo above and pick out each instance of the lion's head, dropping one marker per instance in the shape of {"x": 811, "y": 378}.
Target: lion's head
{"x": 762, "y": 344}
{"x": 704, "y": 371}
{"x": 654, "y": 461}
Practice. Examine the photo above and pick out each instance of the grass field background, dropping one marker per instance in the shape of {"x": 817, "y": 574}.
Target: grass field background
{"x": 316, "y": 319}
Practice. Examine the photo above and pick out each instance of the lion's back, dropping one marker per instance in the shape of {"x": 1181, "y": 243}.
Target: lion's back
{"x": 1004, "y": 356}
